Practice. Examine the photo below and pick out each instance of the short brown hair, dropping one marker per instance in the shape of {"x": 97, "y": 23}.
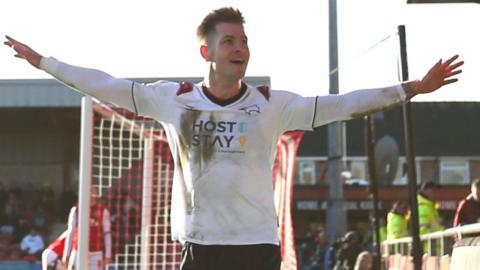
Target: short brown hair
{"x": 221, "y": 15}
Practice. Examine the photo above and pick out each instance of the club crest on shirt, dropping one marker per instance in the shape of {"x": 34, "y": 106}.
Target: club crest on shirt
{"x": 251, "y": 110}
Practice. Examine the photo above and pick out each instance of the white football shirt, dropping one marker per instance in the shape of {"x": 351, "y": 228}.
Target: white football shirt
{"x": 223, "y": 191}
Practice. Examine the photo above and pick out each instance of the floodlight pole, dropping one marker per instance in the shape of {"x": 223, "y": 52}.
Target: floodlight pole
{"x": 336, "y": 216}
{"x": 373, "y": 185}
{"x": 410, "y": 153}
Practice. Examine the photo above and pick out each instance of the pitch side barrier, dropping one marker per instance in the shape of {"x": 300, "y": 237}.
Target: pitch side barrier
{"x": 396, "y": 253}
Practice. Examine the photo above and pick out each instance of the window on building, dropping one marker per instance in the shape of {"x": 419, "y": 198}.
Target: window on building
{"x": 306, "y": 172}
{"x": 358, "y": 169}
{"x": 454, "y": 172}
{"x": 402, "y": 177}
{"x": 357, "y": 172}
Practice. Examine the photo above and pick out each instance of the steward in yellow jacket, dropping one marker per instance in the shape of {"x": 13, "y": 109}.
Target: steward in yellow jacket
{"x": 429, "y": 219}
{"x": 397, "y": 221}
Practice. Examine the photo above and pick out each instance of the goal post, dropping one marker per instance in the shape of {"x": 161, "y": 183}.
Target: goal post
{"x": 127, "y": 159}
{"x": 84, "y": 181}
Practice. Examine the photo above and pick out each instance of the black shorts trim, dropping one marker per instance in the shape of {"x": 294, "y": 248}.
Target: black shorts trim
{"x": 230, "y": 257}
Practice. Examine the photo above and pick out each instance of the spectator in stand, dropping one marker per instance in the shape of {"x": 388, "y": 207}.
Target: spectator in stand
{"x": 21, "y": 229}
{"x": 316, "y": 254}
{"x": 100, "y": 241}
{"x": 468, "y": 210}
{"x": 46, "y": 201}
{"x": 8, "y": 248}
{"x": 29, "y": 196}
{"x": 321, "y": 247}
{"x": 428, "y": 216}
{"x": 3, "y": 199}
{"x": 11, "y": 212}
{"x": 53, "y": 254}
{"x": 40, "y": 219}
{"x": 330, "y": 258}
{"x": 32, "y": 245}
{"x": 308, "y": 242}
{"x": 397, "y": 221}
{"x": 348, "y": 252}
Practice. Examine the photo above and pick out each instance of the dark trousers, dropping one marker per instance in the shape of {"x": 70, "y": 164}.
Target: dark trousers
{"x": 230, "y": 257}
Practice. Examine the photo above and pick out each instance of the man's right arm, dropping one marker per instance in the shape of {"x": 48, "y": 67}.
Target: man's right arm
{"x": 89, "y": 81}
{"x": 92, "y": 82}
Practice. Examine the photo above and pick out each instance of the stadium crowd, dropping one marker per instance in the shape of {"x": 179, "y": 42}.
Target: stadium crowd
{"x": 354, "y": 250}
{"x": 347, "y": 252}
{"x": 26, "y": 217}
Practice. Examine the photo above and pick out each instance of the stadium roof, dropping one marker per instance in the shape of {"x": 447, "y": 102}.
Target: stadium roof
{"x": 441, "y": 129}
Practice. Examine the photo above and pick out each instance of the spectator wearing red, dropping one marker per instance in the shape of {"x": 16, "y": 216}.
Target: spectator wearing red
{"x": 468, "y": 210}
{"x": 100, "y": 241}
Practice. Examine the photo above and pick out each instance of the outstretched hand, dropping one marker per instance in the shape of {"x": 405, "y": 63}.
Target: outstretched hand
{"x": 439, "y": 75}
{"x": 23, "y": 51}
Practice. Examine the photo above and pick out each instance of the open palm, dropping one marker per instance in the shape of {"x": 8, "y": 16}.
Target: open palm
{"x": 23, "y": 51}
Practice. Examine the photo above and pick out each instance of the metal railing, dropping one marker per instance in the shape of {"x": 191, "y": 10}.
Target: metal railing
{"x": 404, "y": 245}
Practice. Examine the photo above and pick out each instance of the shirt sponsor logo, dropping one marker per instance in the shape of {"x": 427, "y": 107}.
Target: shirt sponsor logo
{"x": 225, "y": 136}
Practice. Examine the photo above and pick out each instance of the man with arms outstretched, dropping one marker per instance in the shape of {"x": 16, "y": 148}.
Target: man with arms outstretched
{"x": 223, "y": 133}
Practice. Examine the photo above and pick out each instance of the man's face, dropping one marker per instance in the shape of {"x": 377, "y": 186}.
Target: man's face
{"x": 228, "y": 51}
{"x": 476, "y": 192}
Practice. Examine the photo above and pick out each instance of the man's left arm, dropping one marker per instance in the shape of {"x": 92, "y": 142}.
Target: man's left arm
{"x": 363, "y": 102}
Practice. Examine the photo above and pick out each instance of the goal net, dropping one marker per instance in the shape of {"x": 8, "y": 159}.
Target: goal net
{"x": 131, "y": 167}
